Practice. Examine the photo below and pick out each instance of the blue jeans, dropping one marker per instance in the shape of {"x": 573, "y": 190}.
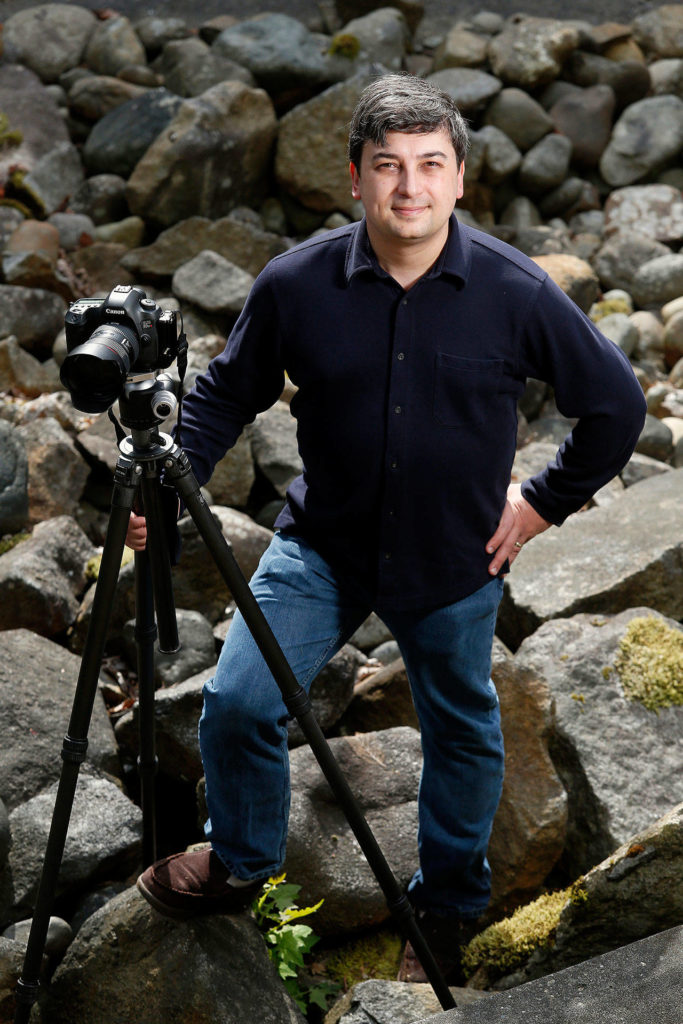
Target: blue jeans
{"x": 447, "y": 654}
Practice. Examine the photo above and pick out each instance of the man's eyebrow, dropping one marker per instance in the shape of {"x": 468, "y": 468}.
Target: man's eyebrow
{"x": 421, "y": 156}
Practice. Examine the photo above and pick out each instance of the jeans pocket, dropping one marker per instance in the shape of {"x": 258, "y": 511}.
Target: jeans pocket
{"x": 463, "y": 388}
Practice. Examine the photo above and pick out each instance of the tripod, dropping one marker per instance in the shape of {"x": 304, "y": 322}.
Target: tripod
{"x": 143, "y": 456}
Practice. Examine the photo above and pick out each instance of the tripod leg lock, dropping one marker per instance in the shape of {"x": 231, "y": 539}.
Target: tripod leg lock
{"x": 298, "y": 703}
{"x": 74, "y": 750}
{"x": 26, "y": 992}
{"x": 401, "y": 908}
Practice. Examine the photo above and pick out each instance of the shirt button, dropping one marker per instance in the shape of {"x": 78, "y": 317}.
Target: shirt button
{"x": 404, "y": 302}
{"x": 397, "y": 409}
{"x": 401, "y": 356}
{"x": 394, "y": 464}
{"x": 387, "y": 556}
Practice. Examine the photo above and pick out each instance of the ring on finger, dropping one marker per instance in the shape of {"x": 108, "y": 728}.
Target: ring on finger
{"x": 518, "y": 545}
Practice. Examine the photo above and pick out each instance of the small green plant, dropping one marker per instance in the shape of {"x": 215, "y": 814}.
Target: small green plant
{"x": 288, "y": 942}
{"x": 344, "y": 45}
{"x": 650, "y": 663}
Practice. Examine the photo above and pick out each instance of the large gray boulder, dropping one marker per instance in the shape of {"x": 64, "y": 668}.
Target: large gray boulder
{"x": 104, "y": 841}
{"x": 212, "y": 157}
{"x": 121, "y": 138}
{"x": 604, "y": 560}
{"x": 626, "y": 985}
{"x": 619, "y": 761}
{"x": 274, "y": 446}
{"x": 654, "y": 211}
{"x": 33, "y": 317}
{"x": 57, "y": 472}
{"x": 42, "y": 578}
{"x": 382, "y": 769}
{"x": 130, "y": 963}
{"x": 311, "y": 162}
{"x": 37, "y": 687}
{"x": 530, "y": 51}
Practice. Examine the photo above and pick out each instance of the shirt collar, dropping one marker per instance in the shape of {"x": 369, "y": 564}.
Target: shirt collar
{"x": 454, "y": 259}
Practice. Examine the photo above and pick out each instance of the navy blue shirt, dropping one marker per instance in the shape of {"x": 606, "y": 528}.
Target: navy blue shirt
{"x": 406, "y": 406}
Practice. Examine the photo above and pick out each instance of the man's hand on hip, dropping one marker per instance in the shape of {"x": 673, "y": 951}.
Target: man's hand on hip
{"x": 518, "y": 524}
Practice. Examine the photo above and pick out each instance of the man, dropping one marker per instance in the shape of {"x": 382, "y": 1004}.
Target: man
{"x": 409, "y": 337}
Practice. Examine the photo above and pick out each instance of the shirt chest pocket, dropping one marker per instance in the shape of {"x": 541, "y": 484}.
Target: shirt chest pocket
{"x": 464, "y": 388}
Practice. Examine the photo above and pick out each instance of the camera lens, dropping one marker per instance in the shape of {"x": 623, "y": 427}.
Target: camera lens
{"x": 96, "y": 371}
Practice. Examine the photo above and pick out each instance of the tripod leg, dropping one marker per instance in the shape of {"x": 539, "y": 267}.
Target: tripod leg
{"x": 145, "y": 635}
{"x": 75, "y": 745}
{"x": 298, "y": 704}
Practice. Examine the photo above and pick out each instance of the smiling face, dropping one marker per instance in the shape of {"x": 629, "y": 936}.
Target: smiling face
{"x": 408, "y": 187}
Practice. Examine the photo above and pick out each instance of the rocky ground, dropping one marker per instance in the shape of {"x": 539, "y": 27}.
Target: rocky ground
{"x": 181, "y": 155}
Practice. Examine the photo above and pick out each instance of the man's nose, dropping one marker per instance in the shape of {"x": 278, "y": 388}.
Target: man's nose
{"x": 408, "y": 181}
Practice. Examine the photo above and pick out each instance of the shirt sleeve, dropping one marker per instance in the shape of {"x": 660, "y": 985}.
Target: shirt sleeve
{"x": 595, "y": 384}
{"x": 245, "y": 379}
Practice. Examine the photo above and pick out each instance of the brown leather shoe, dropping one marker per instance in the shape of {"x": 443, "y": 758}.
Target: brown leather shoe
{"x": 445, "y": 937}
{"x": 193, "y": 883}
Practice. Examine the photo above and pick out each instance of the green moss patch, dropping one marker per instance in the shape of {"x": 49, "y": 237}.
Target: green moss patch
{"x": 376, "y": 955}
{"x": 508, "y": 944}
{"x": 650, "y": 663}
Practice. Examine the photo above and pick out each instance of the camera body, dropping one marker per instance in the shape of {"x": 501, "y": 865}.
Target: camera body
{"x": 109, "y": 339}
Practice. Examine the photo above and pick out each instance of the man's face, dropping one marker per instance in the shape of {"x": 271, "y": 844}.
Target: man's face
{"x": 408, "y": 187}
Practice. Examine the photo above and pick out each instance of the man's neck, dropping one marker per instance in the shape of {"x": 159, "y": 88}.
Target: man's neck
{"x": 407, "y": 262}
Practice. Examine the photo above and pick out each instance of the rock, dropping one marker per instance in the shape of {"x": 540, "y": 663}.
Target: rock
{"x": 331, "y": 692}
{"x": 22, "y": 372}
{"x": 32, "y": 315}
{"x": 13, "y": 478}
{"x": 672, "y": 339}
{"x": 233, "y": 477}
{"x": 73, "y": 229}
{"x": 660, "y": 31}
{"x": 382, "y": 769}
{"x": 128, "y": 962}
{"x": 95, "y": 96}
{"x": 632, "y": 894}
{"x": 659, "y": 280}
{"x": 470, "y": 89}
{"x": 177, "y": 708}
{"x": 5, "y": 838}
{"x": 59, "y": 934}
{"x": 603, "y": 560}
{"x": 48, "y": 39}
{"x": 393, "y": 1002}
{"x": 211, "y": 158}
{"x": 129, "y": 232}
{"x": 99, "y": 265}
{"x": 574, "y": 276}
{"x": 243, "y": 244}
{"x": 614, "y": 790}
{"x": 619, "y": 328}
{"x": 49, "y": 447}
{"x": 370, "y": 633}
{"x": 37, "y": 686}
{"x": 197, "y": 649}
{"x": 502, "y": 158}
{"x": 282, "y": 55}
{"x": 629, "y": 80}
{"x": 41, "y": 577}
{"x": 114, "y": 45}
{"x": 641, "y": 467}
{"x": 531, "y": 51}
{"x": 622, "y": 254}
{"x": 656, "y": 439}
{"x": 647, "y": 135}
{"x": 623, "y": 984}
{"x": 311, "y": 162}
{"x": 383, "y": 37}
{"x": 274, "y": 446}
{"x": 546, "y": 164}
{"x": 104, "y": 842}
{"x": 189, "y": 67}
{"x": 213, "y": 283}
{"x": 520, "y": 116}
{"x": 585, "y": 117}
{"x": 461, "y": 48}
{"x": 101, "y": 197}
{"x": 381, "y": 700}
{"x": 122, "y": 137}
{"x": 530, "y": 826}
{"x": 655, "y": 211}
{"x": 154, "y": 31}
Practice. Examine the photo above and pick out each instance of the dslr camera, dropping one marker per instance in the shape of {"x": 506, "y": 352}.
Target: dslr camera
{"x": 109, "y": 339}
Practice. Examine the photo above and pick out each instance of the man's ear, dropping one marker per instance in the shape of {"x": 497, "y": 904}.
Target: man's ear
{"x": 355, "y": 180}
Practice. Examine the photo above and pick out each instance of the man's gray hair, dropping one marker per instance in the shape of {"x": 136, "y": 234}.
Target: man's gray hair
{"x": 404, "y": 103}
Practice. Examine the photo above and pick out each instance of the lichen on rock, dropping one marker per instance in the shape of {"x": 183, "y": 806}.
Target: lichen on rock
{"x": 650, "y": 663}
